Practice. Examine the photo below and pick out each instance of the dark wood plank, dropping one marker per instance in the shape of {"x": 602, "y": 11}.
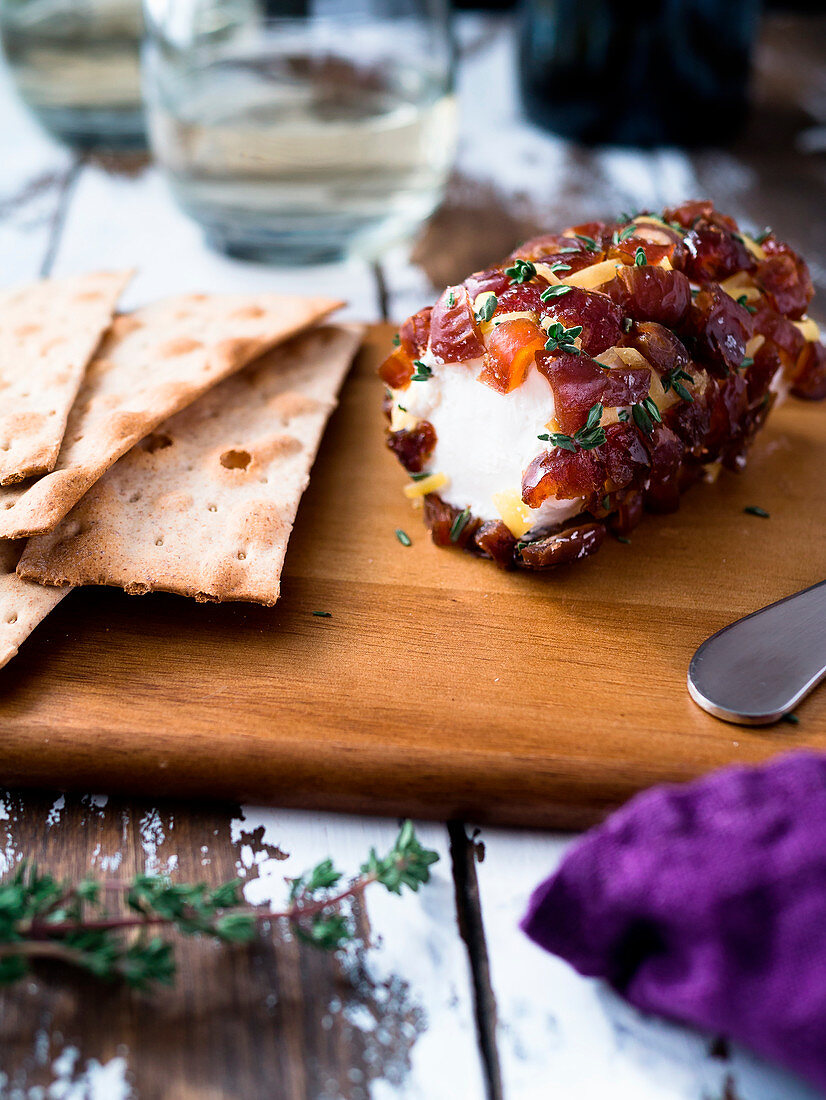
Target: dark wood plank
{"x": 273, "y": 1019}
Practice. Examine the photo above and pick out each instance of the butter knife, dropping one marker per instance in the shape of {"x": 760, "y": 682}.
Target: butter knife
{"x": 760, "y": 667}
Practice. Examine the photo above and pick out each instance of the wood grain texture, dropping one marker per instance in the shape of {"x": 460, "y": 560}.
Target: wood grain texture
{"x": 274, "y": 1019}
{"x": 440, "y": 686}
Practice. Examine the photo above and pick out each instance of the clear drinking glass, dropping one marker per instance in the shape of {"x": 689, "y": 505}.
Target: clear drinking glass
{"x": 76, "y": 63}
{"x": 301, "y": 130}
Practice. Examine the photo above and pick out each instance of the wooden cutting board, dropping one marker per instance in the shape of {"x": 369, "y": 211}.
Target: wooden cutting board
{"x": 441, "y": 686}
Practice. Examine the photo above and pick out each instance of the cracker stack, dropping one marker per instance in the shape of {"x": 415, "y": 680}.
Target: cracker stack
{"x": 157, "y": 476}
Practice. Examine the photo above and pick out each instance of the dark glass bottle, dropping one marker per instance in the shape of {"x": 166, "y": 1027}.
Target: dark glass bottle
{"x": 638, "y": 72}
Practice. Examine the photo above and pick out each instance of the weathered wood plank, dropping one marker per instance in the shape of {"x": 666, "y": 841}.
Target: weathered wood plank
{"x": 561, "y": 1034}
{"x": 278, "y": 1018}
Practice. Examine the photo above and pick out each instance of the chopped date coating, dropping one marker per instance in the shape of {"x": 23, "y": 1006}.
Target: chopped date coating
{"x": 454, "y": 335}
{"x": 710, "y": 311}
{"x": 579, "y": 383}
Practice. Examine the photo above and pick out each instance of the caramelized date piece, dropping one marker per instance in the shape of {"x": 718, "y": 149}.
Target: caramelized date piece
{"x": 663, "y": 350}
{"x": 810, "y": 382}
{"x": 510, "y": 351}
{"x": 523, "y": 296}
{"x": 397, "y": 370}
{"x": 626, "y": 459}
{"x": 579, "y": 383}
{"x": 630, "y": 507}
{"x": 784, "y": 336}
{"x": 601, "y": 319}
{"x": 439, "y": 518}
{"x": 556, "y": 248}
{"x": 454, "y": 337}
{"x": 720, "y": 327}
{"x": 691, "y": 214}
{"x": 494, "y": 540}
{"x": 565, "y": 475}
{"x": 785, "y": 279}
{"x": 494, "y": 280}
{"x": 413, "y": 446}
{"x": 415, "y": 333}
{"x": 714, "y": 254}
{"x": 569, "y": 545}
{"x": 651, "y": 294}
{"x": 666, "y": 452}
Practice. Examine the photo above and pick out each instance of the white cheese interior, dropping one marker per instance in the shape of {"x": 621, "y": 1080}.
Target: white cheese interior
{"x": 485, "y": 439}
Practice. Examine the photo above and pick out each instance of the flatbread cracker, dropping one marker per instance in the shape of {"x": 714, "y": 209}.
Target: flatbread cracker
{"x": 22, "y": 604}
{"x": 205, "y": 505}
{"x": 48, "y": 333}
{"x": 151, "y": 364}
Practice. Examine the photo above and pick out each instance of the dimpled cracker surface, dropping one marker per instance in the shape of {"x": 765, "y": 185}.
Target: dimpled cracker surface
{"x": 48, "y": 333}
{"x": 205, "y": 505}
{"x": 152, "y": 363}
{"x": 22, "y": 604}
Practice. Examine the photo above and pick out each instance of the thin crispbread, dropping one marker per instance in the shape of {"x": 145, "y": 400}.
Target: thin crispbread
{"x": 205, "y": 505}
{"x": 22, "y": 604}
{"x": 151, "y": 364}
{"x": 48, "y": 333}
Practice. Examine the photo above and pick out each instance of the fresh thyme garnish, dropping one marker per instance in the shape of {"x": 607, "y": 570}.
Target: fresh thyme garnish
{"x": 560, "y": 338}
{"x": 396, "y": 340}
{"x": 559, "y": 266}
{"x": 628, "y": 217}
{"x": 622, "y": 235}
{"x": 589, "y": 242}
{"x": 401, "y": 408}
{"x": 459, "y": 524}
{"x": 522, "y": 271}
{"x": 672, "y": 380}
{"x": 567, "y": 251}
{"x": 323, "y": 614}
{"x": 792, "y": 719}
{"x": 645, "y": 414}
{"x": 488, "y": 308}
{"x": 590, "y": 435}
{"x": 746, "y": 363}
{"x": 754, "y": 510}
{"x": 43, "y": 918}
{"x": 423, "y": 371}
{"x": 640, "y": 258}
{"x": 419, "y": 477}
{"x": 695, "y": 290}
{"x": 403, "y": 537}
{"x": 762, "y": 237}
{"x": 451, "y": 299}
{"x": 744, "y": 302}
{"x": 555, "y": 291}
{"x": 623, "y": 416}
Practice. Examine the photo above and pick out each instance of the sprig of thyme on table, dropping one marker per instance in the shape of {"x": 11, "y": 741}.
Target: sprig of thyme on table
{"x": 43, "y": 918}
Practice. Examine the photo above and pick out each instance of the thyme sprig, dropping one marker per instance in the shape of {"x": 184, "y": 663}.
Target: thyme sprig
{"x": 44, "y": 918}
{"x": 589, "y": 436}
{"x": 674, "y": 381}
{"x": 646, "y": 414}
{"x": 522, "y": 271}
{"x": 560, "y": 338}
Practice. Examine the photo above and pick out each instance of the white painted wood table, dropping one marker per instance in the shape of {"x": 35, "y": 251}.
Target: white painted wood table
{"x": 450, "y": 1001}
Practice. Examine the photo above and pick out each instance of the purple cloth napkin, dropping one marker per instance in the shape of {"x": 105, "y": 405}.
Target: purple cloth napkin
{"x": 706, "y": 903}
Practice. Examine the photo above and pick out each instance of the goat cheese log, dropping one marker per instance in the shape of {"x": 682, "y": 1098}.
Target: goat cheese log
{"x": 594, "y": 374}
